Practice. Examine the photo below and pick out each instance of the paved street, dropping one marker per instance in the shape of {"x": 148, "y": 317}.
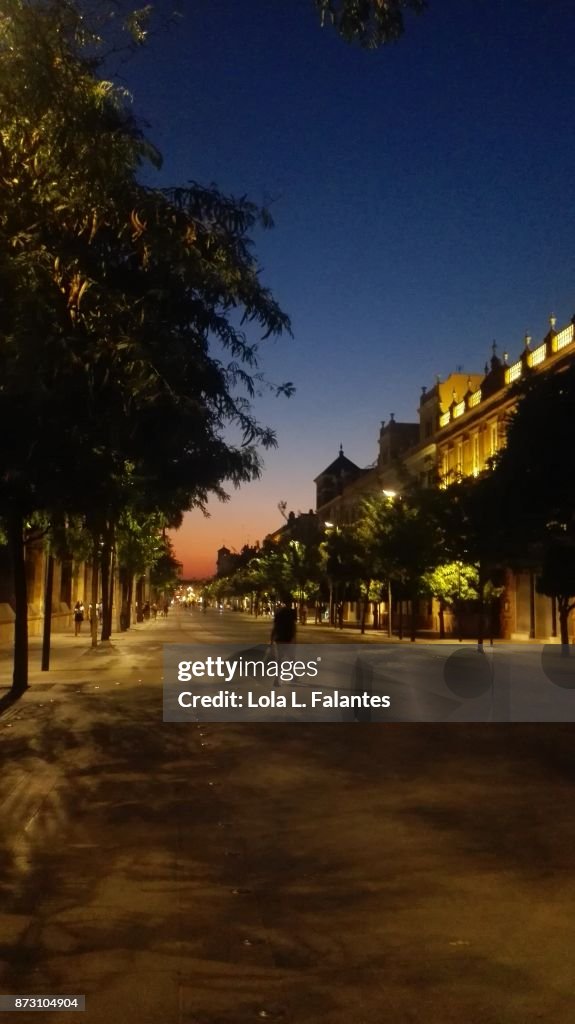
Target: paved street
{"x": 297, "y": 873}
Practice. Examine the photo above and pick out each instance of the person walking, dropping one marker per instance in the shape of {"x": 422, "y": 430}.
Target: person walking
{"x": 284, "y": 625}
{"x": 283, "y": 634}
{"x": 78, "y": 617}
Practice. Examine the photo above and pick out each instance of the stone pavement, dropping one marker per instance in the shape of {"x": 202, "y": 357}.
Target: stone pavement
{"x": 234, "y": 873}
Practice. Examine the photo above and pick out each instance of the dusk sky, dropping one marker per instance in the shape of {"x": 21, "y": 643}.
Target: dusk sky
{"x": 424, "y": 201}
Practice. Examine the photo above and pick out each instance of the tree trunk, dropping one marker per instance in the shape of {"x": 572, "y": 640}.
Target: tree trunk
{"x": 441, "y": 619}
{"x": 107, "y": 582}
{"x": 365, "y": 606}
{"x": 105, "y": 569}
{"x": 123, "y": 581}
{"x": 400, "y": 620}
{"x": 459, "y": 614}
{"x": 95, "y": 581}
{"x": 129, "y": 600}
{"x": 563, "y": 607}
{"x": 480, "y": 624}
{"x": 15, "y": 529}
{"x": 48, "y": 591}
{"x": 491, "y": 612}
{"x": 111, "y": 599}
{"x": 140, "y": 599}
{"x": 413, "y": 609}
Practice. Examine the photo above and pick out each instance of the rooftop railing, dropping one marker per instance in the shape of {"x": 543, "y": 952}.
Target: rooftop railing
{"x": 512, "y": 373}
{"x": 565, "y": 337}
{"x": 538, "y": 355}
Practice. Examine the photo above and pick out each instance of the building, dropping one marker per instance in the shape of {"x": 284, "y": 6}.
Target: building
{"x": 473, "y": 429}
{"x": 461, "y": 425}
{"x": 341, "y": 487}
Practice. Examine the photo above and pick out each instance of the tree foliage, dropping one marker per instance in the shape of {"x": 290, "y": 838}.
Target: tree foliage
{"x": 535, "y": 471}
{"x": 371, "y": 23}
{"x": 402, "y": 536}
{"x": 127, "y": 313}
{"x": 535, "y": 480}
{"x": 166, "y": 570}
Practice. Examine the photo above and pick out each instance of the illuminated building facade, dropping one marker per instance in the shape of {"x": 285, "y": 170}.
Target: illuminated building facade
{"x": 462, "y": 424}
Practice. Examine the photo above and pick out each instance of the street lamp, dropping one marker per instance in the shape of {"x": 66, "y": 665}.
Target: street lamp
{"x": 330, "y": 526}
{"x": 390, "y": 495}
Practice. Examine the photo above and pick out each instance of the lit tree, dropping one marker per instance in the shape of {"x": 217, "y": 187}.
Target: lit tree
{"x": 452, "y": 585}
{"x": 403, "y": 541}
{"x": 469, "y": 518}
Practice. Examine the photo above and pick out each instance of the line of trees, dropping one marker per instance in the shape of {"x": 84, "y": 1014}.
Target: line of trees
{"x": 397, "y": 546}
{"x": 124, "y": 355}
{"x": 125, "y": 362}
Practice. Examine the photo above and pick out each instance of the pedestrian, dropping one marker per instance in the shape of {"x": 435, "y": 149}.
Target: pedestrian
{"x": 284, "y": 627}
{"x": 166, "y": 608}
{"x": 154, "y": 610}
{"x": 78, "y": 617}
{"x": 283, "y": 633}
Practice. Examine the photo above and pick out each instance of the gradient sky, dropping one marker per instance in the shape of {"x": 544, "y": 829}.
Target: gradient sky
{"x": 424, "y": 200}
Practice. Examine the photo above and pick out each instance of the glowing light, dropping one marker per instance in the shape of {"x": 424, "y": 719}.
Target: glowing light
{"x": 565, "y": 337}
{"x": 538, "y": 355}
{"x": 513, "y": 373}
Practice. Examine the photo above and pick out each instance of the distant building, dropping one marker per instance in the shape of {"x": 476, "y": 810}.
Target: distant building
{"x": 226, "y": 561}
{"x": 303, "y": 527}
{"x": 331, "y": 482}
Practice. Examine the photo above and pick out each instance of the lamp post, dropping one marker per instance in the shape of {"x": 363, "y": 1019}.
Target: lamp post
{"x": 390, "y": 495}
{"x": 329, "y": 527}
{"x": 48, "y": 589}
